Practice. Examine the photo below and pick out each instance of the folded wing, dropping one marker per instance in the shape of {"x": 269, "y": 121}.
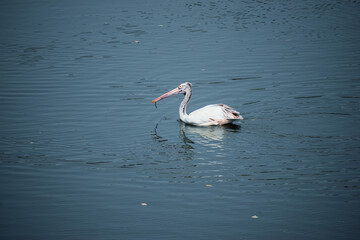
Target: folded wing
{"x": 215, "y": 114}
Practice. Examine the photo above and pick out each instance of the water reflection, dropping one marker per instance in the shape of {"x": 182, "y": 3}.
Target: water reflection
{"x": 175, "y": 150}
{"x": 170, "y": 159}
{"x": 196, "y": 155}
{"x": 207, "y": 136}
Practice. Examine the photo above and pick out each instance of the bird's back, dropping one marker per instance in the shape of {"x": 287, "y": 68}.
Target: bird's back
{"x": 213, "y": 112}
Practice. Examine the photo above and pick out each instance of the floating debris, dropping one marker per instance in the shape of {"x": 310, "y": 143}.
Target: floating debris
{"x": 144, "y": 204}
{"x": 208, "y": 185}
{"x": 254, "y": 217}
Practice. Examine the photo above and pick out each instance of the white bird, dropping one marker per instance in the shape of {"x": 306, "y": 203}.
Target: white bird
{"x": 214, "y": 114}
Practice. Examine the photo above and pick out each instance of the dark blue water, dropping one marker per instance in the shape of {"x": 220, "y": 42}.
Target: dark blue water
{"x": 85, "y": 155}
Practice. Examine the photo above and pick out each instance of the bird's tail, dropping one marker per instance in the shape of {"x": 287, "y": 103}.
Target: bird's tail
{"x": 231, "y": 113}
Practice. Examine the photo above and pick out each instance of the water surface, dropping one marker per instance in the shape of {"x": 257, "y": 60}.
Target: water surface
{"x": 82, "y": 147}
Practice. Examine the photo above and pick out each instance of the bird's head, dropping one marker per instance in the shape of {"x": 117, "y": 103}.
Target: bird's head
{"x": 185, "y": 87}
{"x": 182, "y": 88}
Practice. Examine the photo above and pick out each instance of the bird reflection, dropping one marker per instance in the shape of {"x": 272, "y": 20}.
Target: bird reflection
{"x": 169, "y": 146}
{"x": 178, "y": 159}
{"x": 210, "y": 136}
{"x": 206, "y": 135}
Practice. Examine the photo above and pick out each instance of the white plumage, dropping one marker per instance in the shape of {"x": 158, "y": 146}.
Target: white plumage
{"x": 215, "y": 114}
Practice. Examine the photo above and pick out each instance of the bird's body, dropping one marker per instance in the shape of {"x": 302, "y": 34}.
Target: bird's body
{"x": 215, "y": 114}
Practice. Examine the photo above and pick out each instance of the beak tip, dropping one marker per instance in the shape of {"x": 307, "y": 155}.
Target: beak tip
{"x": 168, "y": 94}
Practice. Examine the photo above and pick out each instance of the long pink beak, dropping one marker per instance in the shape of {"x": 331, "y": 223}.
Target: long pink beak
{"x": 168, "y": 94}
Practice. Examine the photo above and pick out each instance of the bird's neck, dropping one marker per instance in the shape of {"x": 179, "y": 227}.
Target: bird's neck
{"x": 184, "y": 103}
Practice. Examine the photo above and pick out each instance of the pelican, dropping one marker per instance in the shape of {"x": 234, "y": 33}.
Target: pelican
{"x": 214, "y": 114}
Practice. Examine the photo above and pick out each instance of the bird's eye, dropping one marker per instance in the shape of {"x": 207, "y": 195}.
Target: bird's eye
{"x": 180, "y": 86}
